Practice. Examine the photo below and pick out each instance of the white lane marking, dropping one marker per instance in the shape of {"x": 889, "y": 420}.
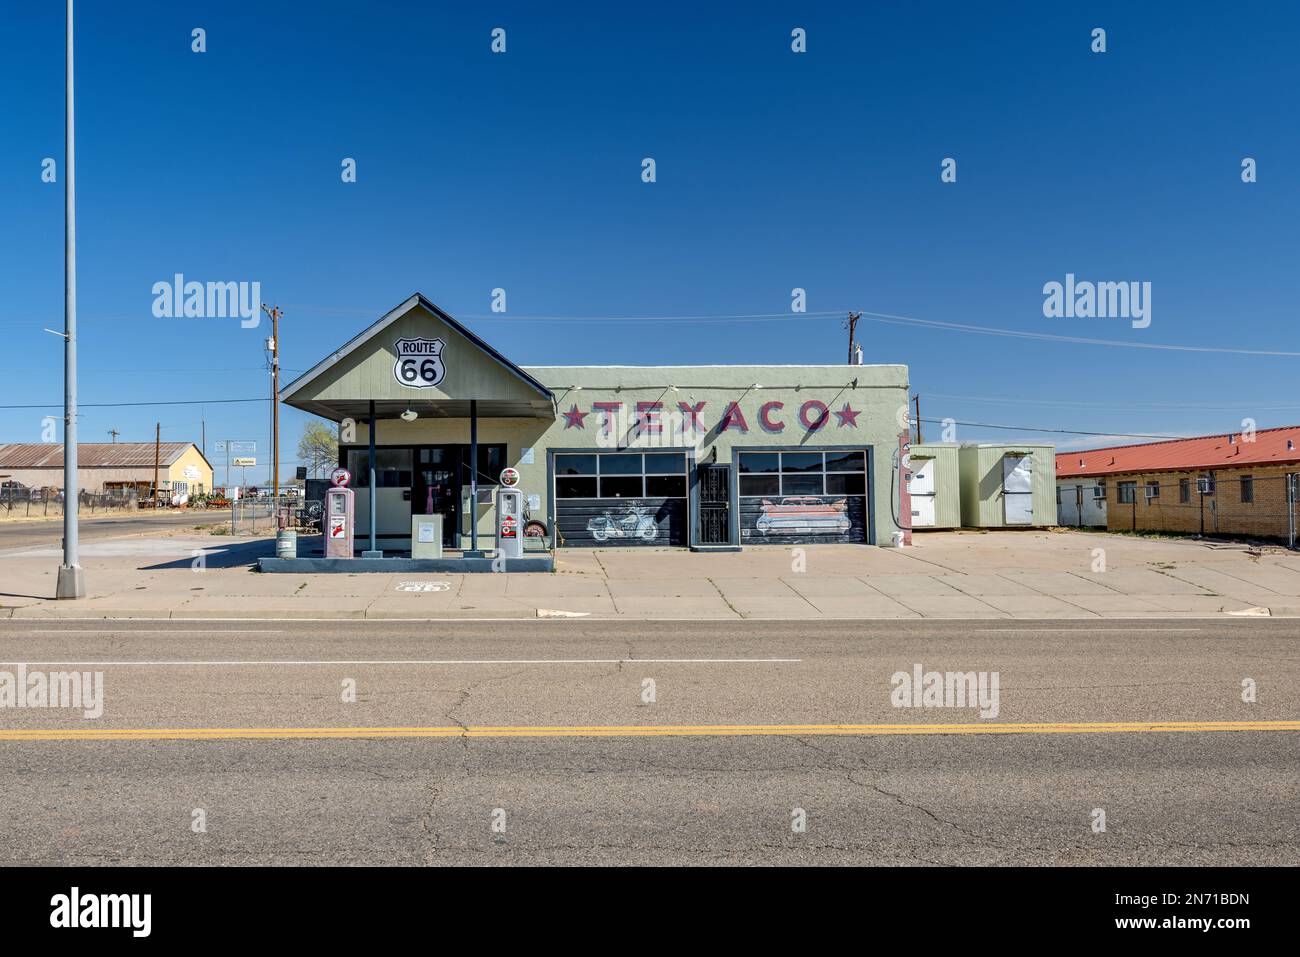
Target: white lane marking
{"x": 642, "y": 621}
{"x": 441, "y": 661}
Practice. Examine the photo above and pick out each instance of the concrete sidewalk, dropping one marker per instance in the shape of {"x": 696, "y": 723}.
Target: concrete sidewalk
{"x": 1031, "y": 575}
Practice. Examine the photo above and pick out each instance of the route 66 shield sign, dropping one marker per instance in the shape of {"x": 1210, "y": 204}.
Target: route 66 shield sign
{"x": 419, "y": 363}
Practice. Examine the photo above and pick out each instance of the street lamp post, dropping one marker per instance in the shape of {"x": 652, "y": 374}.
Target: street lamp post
{"x": 72, "y": 579}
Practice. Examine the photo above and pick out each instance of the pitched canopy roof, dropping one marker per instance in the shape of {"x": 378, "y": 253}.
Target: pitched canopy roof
{"x": 1269, "y": 447}
{"x": 363, "y": 370}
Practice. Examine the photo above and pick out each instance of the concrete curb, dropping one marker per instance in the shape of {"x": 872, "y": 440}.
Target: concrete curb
{"x": 74, "y": 613}
{"x": 295, "y": 614}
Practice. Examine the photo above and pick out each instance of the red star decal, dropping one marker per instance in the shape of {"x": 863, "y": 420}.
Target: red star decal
{"x": 848, "y": 416}
{"x": 573, "y": 418}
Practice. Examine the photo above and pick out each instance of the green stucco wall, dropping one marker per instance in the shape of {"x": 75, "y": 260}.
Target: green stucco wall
{"x": 877, "y": 398}
{"x": 865, "y": 407}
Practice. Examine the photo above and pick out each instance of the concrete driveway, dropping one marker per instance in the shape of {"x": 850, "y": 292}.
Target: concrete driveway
{"x": 1032, "y": 575}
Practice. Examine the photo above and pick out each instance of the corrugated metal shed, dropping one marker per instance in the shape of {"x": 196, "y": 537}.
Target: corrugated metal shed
{"x": 997, "y": 494}
{"x": 935, "y": 486}
{"x": 1279, "y": 446}
{"x": 91, "y": 455}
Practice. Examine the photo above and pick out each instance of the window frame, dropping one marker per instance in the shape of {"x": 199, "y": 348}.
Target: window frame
{"x": 600, "y": 474}
{"x": 781, "y": 473}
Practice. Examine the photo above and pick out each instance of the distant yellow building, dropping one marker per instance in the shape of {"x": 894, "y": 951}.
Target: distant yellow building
{"x": 109, "y": 466}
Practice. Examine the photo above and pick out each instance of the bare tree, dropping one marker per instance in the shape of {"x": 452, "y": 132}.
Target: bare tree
{"x": 318, "y": 448}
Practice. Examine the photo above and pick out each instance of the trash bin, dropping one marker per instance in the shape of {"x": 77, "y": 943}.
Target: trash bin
{"x": 286, "y": 543}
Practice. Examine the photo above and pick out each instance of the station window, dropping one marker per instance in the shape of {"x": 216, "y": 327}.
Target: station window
{"x": 620, "y": 475}
{"x": 802, "y": 473}
{"x": 393, "y": 468}
{"x": 1248, "y": 488}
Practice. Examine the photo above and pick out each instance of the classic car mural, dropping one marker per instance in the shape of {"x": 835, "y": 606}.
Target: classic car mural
{"x": 793, "y": 519}
{"x": 803, "y": 515}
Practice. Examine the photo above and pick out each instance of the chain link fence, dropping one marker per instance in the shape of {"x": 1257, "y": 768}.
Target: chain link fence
{"x": 265, "y": 516}
{"x": 22, "y": 502}
{"x": 1263, "y": 507}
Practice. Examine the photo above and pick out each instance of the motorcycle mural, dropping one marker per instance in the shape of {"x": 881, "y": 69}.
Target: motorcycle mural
{"x": 636, "y": 521}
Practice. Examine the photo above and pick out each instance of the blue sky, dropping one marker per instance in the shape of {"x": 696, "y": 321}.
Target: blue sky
{"x": 775, "y": 170}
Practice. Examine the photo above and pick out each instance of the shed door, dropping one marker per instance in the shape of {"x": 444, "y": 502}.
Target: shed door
{"x": 921, "y": 488}
{"x": 1017, "y": 490}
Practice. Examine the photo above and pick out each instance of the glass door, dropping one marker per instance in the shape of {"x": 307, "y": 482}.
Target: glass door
{"x": 437, "y": 489}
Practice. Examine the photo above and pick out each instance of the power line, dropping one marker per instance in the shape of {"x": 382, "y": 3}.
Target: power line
{"x": 1113, "y": 407}
{"x": 1075, "y": 340}
{"x": 118, "y": 405}
{"x": 1019, "y": 428}
{"x": 880, "y": 317}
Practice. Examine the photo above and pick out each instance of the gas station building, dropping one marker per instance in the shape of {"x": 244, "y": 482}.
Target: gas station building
{"x": 700, "y": 457}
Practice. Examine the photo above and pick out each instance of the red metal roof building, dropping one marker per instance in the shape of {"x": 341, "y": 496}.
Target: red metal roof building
{"x": 1237, "y": 450}
{"x": 1235, "y": 484}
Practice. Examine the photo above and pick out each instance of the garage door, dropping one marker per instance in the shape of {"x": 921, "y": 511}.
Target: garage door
{"x": 621, "y": 498}
{"x": 792, "y": 498}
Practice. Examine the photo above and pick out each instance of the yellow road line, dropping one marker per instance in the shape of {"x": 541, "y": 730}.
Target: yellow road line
{"x": 631, "y": 731}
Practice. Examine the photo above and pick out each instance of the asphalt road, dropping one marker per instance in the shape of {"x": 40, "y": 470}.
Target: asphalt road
{"x": 469, "y": 754}
{"x": 25, "y": 534}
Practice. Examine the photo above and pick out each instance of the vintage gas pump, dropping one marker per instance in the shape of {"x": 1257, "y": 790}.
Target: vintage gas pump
{"x": 904, "y": 459}
{"x": 510, "y": 516}
{"x": 339, "y": 513}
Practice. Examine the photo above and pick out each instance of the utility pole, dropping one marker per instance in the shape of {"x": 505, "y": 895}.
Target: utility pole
{"x": 851, "y": 324}
{"x": 113, "y": 434}
{"x": 157, "y": 455}
{"x": 72, "y": 579}
{"x": 917, "y": 400}
{"x": 274, "y": 313}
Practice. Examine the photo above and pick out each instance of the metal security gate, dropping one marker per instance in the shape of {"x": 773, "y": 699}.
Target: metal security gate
{"x": 714, "y": 483}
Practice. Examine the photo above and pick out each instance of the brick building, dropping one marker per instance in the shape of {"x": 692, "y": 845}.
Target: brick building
{"x": 1233, "y": 484}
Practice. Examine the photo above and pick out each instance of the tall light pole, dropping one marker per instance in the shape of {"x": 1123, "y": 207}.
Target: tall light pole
{"x": 72, "y": 580}
{"x": 274, "y": 313}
